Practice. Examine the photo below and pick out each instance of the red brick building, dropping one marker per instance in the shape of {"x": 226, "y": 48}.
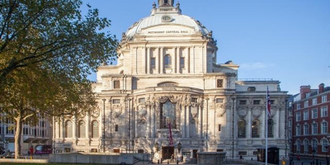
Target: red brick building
{"x": 309, "y": 122}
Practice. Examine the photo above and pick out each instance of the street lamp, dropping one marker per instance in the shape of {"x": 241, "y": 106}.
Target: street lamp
{"x": 313, "y": 154}
{"x": 326, "y": 148}
{"x": 179, "y": 147}
{"x": 156, "y": 147}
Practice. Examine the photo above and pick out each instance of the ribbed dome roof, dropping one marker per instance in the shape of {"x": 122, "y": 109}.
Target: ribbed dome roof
{"x": 157, "y": 19}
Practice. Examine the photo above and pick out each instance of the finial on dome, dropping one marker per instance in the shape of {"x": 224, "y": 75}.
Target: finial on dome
{"x": 165, "y": 2}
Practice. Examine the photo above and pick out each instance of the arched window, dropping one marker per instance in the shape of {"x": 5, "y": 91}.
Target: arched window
{"x": 306, "y": 145}
{"x": 298, "y": 130}
{"x": 298, "y": 145}
{"x": 306, "y": 129}
{"x": 167, "y": 61}
{"x": 95, "y": 129}
{"x": 68, "y": 129}
{"x": 314, "y": 128}
{"x": 81, "y": 129}
{"x": 314, "y": 144}
{"x": 255, "y": 128}
{"x": 270, "y": 128}
{"x": 167, "y": 115}
{"x": 325, "y": 145}
{"x": 241, "y": 129}
{"x": 324, "y": 127}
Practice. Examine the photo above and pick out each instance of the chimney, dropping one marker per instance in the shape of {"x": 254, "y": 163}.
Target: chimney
{"x": 321, "y": 88}
{"x": 303, "y": 90}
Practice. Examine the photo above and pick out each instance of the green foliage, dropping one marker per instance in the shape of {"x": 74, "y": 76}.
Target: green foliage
{"x": 47, "y": 50}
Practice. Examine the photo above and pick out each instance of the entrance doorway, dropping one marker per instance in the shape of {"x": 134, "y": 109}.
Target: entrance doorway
{"x": 167, "y": 152}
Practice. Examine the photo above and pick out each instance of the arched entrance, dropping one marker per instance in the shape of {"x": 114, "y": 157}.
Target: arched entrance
{"x": 167, "y": 152}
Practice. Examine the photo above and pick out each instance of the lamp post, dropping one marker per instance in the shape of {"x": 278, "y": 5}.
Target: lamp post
{"x": 313, "y": 151}
{"x": 326, "y": 148}
{"x": 179, "y": 155}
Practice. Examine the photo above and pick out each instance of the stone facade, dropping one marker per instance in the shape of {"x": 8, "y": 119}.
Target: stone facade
{"x": 167, "y": 84}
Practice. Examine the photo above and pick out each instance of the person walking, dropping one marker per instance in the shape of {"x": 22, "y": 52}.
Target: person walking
{"x": 283, "y": 161}
{"x": 31, "y": 152}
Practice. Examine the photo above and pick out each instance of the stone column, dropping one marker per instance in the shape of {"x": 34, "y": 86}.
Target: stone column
{"x": 157, "y": 61}
{"x": 148, "y": 60}
{"x": 278, "y": 121}
{"x": 249, "y": 124}
{"x": 178, "y": 60}
{"x": 200, "y": 113}
{"x": 188, "y": 121}
{"x": 161, "y": 54}
{"x": 148, "y": 120}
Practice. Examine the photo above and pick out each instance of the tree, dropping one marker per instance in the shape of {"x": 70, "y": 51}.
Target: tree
{"x": 47, "y": 49}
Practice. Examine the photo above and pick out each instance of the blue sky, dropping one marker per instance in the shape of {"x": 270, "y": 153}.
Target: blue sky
{"x": 286, "y": 40}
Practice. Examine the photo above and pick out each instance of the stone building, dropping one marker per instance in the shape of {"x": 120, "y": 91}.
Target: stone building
{"x": 167, "y": 96}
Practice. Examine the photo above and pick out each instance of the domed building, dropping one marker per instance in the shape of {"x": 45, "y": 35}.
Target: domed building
{"x": 168, "y": 96}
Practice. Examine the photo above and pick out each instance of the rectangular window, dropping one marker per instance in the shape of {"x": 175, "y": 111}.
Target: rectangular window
{"x": 242, "y": 102}
{"x": 306, "y": 115}
{"x": 298, "y": 116}
{"x": 324, "y": 98}
{"x": 142, "y": 100}
{"x": 298, "y": 106}
{"x": 272, "y": 102}
{"x": 220, "y": 83}
{"x": 181, "y": 62}
{"x": 256, "y": 102}
{"x": 305, "y": 104}
{"x": 314, "y": 101}
{"x": 116, "y": 101}
{"x": 219, "y": 100}
{"x": 116, "y": 84}
{"x": 314, "y": 129}
{"x": 152, "y": 63}
{"x": 324, "y": 111}
{"x": 314, "y": 113}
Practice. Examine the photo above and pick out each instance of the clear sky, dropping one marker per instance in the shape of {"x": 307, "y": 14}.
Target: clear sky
{"x": 286, "y": 40}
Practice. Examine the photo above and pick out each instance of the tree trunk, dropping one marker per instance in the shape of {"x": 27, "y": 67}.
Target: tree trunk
{"x": 18, "y": 133}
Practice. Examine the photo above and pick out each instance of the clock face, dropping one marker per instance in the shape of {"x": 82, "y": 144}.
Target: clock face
{"x": 166, "y": 18}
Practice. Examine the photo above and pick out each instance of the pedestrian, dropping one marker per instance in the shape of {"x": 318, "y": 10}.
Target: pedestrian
{"x": 31, "y": 152}
{"x": 283, "y": 161}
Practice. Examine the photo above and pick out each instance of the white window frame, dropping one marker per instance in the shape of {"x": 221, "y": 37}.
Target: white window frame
{"x": 314, "y": 101}
{"x": 306, "y": 104}
{"x": 298, "y": 130}
{"x": 315, "y": 113}
{"x": 306, "y": 115}
{"x": 306, "y": 129}
{"x": 298, "y": 116}
{"x": 324, "y": 111}
{"x": 314, "y": 128}
{"x": 324, "y": 127}
{"x": 324, "y": 98}
{"x": 325, "y": 143}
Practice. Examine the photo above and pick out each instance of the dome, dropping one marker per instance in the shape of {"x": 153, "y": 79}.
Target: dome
{"x": 165, "y": 15}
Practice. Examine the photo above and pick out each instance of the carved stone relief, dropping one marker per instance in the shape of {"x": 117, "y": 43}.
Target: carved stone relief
{"x": 256, "y": 111}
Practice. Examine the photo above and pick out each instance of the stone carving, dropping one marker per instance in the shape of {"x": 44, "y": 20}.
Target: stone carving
{"x": 242, "y": 112}
{"x": 256, "y": 112}
{"x": 95, "y": 112}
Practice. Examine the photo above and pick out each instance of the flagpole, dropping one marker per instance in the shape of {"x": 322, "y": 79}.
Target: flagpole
{"x": 266, "y": 124}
